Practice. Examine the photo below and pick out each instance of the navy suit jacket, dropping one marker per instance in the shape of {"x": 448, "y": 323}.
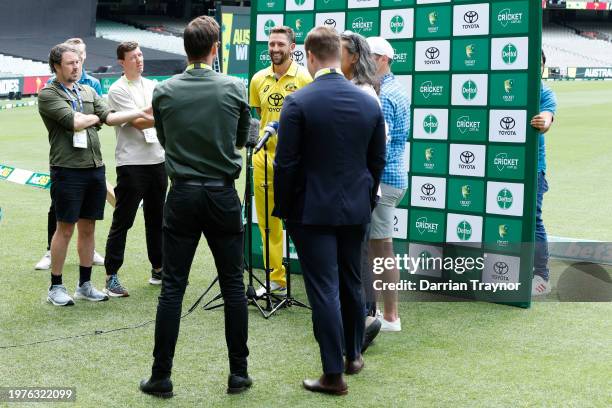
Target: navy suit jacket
{"x": 330, "y": 154}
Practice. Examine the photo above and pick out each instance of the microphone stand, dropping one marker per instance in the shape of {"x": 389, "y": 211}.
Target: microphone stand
{"x": 248, "y": 209}
{"x": 287, "y": 300}
{"x": 268, "y": 296}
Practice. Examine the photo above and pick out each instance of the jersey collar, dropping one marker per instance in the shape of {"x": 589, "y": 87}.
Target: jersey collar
{"x": 292, "y": 71}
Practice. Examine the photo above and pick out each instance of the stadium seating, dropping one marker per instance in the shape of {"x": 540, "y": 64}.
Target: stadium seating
{"x": 594, "y": 27}
{"x": 565, "y": 48}
{"x": 123, "y": 32}
{"x": 154, "y": 23}
{"x": 12, "y": 66}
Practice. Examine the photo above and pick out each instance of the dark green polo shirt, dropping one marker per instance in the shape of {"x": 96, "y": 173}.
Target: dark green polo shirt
{"x": 202, "y": 118}
{"x": 56, "y": 109}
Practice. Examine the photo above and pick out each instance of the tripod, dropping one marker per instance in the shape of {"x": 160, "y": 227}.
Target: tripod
{"x": 269, "y": 298}
{"x": 248, "y": 212}
{"x": 288, "y": 300}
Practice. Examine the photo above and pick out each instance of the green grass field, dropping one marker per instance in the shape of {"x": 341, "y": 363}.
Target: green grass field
{"x": 448, "y": 354}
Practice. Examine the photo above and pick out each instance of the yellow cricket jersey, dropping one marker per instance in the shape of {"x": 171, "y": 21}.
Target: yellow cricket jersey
{"x": 268, "y": 94}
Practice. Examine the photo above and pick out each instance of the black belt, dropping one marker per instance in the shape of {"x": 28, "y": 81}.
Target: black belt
{"x": 202, "y": 182}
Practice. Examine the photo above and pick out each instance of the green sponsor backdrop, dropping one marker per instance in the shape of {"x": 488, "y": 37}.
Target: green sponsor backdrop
{"x": 472, "y": 157}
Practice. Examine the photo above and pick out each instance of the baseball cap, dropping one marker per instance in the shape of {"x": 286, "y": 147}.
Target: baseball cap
{"x": 380, "y": 46}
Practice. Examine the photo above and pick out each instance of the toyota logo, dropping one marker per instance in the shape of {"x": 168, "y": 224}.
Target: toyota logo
{"x": 432, "y": 53}
{"x": 470, "y": 17}
{"x": 500, "y": 268}
{"x": 507, "y": 123}
{"x": 276, "y": 99}
{"x": 428, "y": 189}
{"x": 298, "y": 56}
{"x": 330, "y": 22}
{"x": 467, "y": 157}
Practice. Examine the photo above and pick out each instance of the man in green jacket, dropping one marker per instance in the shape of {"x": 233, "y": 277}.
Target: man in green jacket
{"x": 72, "y": 114}
{"x": 202, "y": 119}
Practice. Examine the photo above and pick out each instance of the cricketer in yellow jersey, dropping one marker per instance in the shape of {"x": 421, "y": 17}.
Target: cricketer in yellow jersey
{"x": 267, "y": 91}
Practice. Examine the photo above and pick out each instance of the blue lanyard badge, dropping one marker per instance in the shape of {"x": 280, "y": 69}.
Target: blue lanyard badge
{"x": 74, "y": 100}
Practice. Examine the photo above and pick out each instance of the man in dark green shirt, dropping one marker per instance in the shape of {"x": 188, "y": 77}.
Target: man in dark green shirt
{"x": 72, "y": 114}
{"x": 202, "y": 119}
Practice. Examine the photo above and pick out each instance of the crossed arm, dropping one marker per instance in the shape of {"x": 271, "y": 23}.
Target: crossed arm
{"x": 141, "y": 119}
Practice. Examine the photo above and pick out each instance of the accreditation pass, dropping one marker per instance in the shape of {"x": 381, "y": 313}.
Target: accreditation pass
{"x": 150, "y": 135}
{"x": 79, "y": 139}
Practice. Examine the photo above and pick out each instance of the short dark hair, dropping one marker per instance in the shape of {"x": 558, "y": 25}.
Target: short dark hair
{"x": 124, "y": 47}
{"x": 324, "y": 43}
{"x": 543, "y": 58}
{"x": 199, "y": 37}
{"x": 284, "y": 30}
{"x": 56, "y": 53}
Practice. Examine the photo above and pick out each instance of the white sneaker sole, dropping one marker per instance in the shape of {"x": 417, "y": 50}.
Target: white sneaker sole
{"x": 112, "y": 294}
{"x": 82, "y": 297}
{"x": 54, "y": 303}
{"x": 155, "y": 281}
{"x": 40, "y": 267}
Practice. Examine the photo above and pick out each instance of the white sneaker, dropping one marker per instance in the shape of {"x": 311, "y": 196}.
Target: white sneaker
{"x": 44, "y": 263}
{"x": 539, "y": 286}
{"x": 88, "y": 292}
{"x": 98, "y": 259}
{"x": 58, "y": 296}
{"x": 274, "y": 288}
{"x": 387, "y": 326}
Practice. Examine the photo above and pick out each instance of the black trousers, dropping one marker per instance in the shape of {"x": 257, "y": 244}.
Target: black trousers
{"x": 135, "y": 183}
{"x": 189, "y": 212}
{"x": 330, "y": 258}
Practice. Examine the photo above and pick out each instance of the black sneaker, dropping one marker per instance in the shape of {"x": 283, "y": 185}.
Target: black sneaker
{"x": 158, "y": 388}
{"x": 156, "y": 277}
{"x": 237, "y": 383}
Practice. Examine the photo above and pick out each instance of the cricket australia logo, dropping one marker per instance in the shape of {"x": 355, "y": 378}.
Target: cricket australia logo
{"x": 396, "y": 24}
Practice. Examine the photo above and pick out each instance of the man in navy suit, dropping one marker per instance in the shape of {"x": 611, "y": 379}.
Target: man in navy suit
{"x": 326, "y": 174}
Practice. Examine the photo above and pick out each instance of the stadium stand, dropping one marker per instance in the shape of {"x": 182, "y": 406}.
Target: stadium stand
{"x": 160, "y": 24}
{"x": 19, "y": 66}
{"x": 101, "y": 54}
{"x": 565, "y": 48}
{"x": 603, "y": 29}
{"x": 115, "y": 31}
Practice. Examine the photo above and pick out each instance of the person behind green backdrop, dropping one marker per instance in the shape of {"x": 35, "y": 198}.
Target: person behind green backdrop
{"x": 542, "y": 122}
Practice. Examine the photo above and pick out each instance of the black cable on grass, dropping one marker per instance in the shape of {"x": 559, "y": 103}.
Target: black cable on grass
{"x": 100, "y": 332}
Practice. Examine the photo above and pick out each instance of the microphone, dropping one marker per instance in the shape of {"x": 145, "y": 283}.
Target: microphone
{"x": 269, "y": 131}
{"x": 253, "y": 133}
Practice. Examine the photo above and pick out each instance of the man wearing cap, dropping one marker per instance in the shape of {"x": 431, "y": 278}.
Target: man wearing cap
{"x": 394, "y": 181}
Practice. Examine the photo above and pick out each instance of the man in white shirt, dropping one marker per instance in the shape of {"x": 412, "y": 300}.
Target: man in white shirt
{"x": 141, "y": 175}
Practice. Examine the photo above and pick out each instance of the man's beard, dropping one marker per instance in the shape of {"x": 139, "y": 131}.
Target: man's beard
{"x": 283, "y": 57}
{"x": 72, "y": 80}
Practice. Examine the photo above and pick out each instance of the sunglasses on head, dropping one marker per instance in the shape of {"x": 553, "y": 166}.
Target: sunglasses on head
{"x": 350, "y": 36}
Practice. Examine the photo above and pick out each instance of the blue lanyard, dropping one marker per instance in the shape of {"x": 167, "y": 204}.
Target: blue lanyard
{"x": 73, "y": 100}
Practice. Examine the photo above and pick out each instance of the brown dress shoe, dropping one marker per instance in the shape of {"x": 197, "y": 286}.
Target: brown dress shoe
{"x": 355, "y": 366}
{"x": 328, "y": 384}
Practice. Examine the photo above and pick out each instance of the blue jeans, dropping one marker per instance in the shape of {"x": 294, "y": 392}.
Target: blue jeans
{"x": 540, "y": 262}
